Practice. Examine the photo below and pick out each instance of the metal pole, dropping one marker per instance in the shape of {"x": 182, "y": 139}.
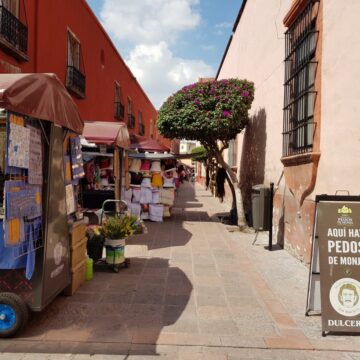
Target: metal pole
{"x": 271, "y": 214}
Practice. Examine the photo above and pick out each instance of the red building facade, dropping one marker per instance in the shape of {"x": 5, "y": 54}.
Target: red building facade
{"x": 64, "y": 37}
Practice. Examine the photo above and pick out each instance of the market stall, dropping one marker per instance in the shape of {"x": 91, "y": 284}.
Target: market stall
{"x": 103, "y": 148}
{"x": 152, "y": 185}
{"x": 40, "y": 166}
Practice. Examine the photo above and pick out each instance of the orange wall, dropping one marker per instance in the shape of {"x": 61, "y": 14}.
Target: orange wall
{"x": 48, "y": 21}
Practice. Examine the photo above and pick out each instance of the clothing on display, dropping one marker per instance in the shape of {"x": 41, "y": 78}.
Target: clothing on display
{"x": 135, "y": 209}
{"x": 156, "y": 212}
{"x": 136, "y": 192}
{"x": 157, "y": 180}
{"x": 145, "y": 195}
{"x": 155, "y": 166}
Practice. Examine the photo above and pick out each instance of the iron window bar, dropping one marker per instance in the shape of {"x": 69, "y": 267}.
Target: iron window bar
{"x": 75, "y": 81}
{"x": 299, "y": 95}
{"x": 131, "y": 121}
{"x": 13, "y": 30}
{"x": 119, "y": 110}
{"x": 141, "y": 129}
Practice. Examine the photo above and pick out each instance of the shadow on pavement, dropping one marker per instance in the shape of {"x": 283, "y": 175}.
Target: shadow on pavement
{"x": 112, "y": 314}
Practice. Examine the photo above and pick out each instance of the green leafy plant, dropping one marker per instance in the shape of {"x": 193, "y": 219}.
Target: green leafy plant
{"x": 214, "y": 113}
{"x": 119, "y": 228}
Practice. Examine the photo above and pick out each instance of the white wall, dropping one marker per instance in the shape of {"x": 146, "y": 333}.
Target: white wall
{"x": 257, "y": 53}
{"x": 340, "y": 90}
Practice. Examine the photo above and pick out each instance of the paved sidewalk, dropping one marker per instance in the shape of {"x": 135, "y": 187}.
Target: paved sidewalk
{"x": 194, "y": 290}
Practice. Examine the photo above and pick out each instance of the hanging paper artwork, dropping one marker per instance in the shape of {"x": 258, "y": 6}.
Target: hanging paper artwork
{"x": 19, "y": 144}
{"x": 77, "y": 165}
{"x": 70, "y": 199}
{"x": 35, "y": 157}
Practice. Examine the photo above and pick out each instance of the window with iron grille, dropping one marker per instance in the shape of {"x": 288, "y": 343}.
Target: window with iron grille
{"x": 299, "y": 88}
{"x": 141, "y": 124}
{"x": 131, "y": 117}
{"x": 75, "y": 75}
{"x": 13, "y": 28}
{"x": 119, "y": 110}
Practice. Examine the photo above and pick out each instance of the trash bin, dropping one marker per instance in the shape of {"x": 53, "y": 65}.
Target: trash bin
{"x": 260, "y": 202}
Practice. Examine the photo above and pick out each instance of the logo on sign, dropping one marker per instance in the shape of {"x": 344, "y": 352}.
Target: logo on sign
{"x": 344, "y": 297}
{"x": 345, "y": 219}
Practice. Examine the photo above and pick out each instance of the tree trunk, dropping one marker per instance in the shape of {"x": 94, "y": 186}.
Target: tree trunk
{"x": 237, "y": 202}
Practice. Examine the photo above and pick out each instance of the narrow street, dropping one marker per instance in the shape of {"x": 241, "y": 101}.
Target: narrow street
{"x": 194, "y": 290}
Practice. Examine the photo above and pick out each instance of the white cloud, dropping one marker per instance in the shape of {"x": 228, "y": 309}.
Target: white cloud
{"x": 149, "y": 21}
{"x": 149, "y": 28}
{"x": 223, "y": 25}
{"x": 161, "y": 73}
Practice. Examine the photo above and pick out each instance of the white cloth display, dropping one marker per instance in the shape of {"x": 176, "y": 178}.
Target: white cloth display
{"x": 145, "y": 195}
{"x": 155, "y": 166}
{"x": 144, "y": 216}
{"x": 155, "y": 196}
{"x": 136, "y": 192}
{"x": 168, "y": 182}
{"x": 128, "y": 195}
{"x": 135, "y": 209}
{"x": 167, "y": 196}
{"x": 146, "y": 182}
{"x": 167, "y": 211}
{"x": 156, "y": 212}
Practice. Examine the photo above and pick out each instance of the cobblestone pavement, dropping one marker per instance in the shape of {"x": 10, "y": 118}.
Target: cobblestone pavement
{"x": 195, "y": 289}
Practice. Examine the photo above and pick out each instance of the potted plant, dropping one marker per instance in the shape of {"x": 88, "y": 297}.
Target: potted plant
{"x": 115, "y": 231}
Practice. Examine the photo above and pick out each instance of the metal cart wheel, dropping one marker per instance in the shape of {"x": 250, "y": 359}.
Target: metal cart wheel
{"x": 14, "y": 314}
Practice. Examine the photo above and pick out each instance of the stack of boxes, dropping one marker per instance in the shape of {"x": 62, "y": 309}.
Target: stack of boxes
{"x": 78, "y": 242}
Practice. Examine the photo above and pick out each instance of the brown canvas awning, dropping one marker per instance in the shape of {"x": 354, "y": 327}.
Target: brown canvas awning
{"x": 142, "y": 143}
{"x": 109, "y": 133}
{"x": 41, "y": 96}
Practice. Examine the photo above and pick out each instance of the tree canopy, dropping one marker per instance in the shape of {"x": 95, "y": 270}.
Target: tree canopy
{"x": 207, "y": 112}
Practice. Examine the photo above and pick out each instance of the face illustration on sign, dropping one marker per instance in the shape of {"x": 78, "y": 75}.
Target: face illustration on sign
{"x": 348, "y": 295}
{"x": 344, "y": 297}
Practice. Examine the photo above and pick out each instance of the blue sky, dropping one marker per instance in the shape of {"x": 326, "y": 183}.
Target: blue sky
{"x": 168, "y": 43}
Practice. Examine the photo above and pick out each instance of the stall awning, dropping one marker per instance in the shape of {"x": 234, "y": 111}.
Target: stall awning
{"x": 142, "y": 143}
{"x": 41, "y": 96}
{"x": 159, "y": 156}
{"x": 109, "y": 133}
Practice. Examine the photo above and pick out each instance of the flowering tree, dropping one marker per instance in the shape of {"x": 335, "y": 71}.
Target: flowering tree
{"x": 213, "y": 113}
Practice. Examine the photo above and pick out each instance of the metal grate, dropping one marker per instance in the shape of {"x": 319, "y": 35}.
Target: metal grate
{"x": 13, "y": 30}
{"x": 299, "y": 88}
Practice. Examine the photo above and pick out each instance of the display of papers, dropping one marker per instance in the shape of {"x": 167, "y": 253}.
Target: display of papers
{"x": 77, "y": 165}
{"x": 35, "y": 175}
{"x": 70, "y": 199}
{"x": 19, "y": 144}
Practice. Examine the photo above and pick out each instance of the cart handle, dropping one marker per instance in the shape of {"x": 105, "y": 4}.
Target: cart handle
{"x": 124, "y": 207}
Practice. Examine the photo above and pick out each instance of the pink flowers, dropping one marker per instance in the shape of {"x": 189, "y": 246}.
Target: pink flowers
{"x": 245, "y": 94}
{"x": 226, "y": 113}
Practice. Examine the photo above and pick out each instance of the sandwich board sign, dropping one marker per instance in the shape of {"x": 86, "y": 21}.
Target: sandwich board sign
{"x": 337, "y": 238}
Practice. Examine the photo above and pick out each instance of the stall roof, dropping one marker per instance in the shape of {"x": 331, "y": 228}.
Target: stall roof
{"x": 109, "y": 133}
{"x": 41, "y": 96}
{"x": 159, "y": 156}
{"x": 142, "y": 143}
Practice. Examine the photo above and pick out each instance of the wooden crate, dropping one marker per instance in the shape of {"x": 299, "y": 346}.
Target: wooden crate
{"x": 77, "y": 232}
{"x": 78, "y": 253}
{"x": 77, "y": 279}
